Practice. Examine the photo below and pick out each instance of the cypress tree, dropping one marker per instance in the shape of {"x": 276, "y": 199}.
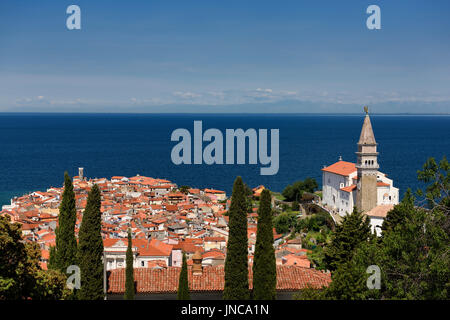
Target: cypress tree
{"x": 236, "y": 262}
{"x": 90, "y": 249}
{"x": 129, "y": 281}
{"x": 183, "y": 283}
{"x": 66, "y": 243}
{"x": 52, "y": 259}
{"x": 354, "y": 229}
{"x": 264, "y": 265}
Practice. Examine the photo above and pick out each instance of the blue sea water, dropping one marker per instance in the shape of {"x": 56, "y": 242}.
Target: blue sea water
{"x": 36, "y": 149}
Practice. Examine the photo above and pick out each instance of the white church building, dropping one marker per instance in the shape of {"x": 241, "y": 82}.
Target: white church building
{"x": 347, "y": 185}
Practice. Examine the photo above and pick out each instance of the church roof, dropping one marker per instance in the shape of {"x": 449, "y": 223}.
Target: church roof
{"x": 349, "y": 188}
{"x": 380, "y": 210}
{"x": 342, "y": 168}
{"x": 367, "y": 136}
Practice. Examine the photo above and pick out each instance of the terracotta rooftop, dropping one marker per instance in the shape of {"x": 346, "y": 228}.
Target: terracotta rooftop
{"x": 149, "y": 280}
{"x": 380, "y": 211}
{"x": 342, "y": 168}
{"x": 349, "y": 188}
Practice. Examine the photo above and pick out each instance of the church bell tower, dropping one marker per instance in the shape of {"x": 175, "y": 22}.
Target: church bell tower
{"x": 367, "y": 167}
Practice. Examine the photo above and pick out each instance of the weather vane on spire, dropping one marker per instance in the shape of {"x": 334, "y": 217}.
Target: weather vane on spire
{"x": 366, "y": 109}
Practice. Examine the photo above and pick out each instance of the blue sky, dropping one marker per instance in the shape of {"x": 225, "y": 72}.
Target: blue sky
{"x": 288, "y": 56}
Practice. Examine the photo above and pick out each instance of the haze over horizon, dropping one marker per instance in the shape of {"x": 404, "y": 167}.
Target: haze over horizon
{"x": 233, "y": 57}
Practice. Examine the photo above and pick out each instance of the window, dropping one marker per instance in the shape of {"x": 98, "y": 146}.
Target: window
{"x": 142, "y": 263}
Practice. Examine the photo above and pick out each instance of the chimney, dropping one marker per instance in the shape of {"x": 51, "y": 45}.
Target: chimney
{"x": 197, "y": 266}
{"x": 340, "y": 158}
{"x": 81, "y": 173}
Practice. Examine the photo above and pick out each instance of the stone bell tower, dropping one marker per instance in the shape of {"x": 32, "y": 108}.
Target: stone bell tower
{"x": 367, "y": 167}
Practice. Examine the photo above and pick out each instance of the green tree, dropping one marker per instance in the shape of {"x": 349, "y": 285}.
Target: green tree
{"x": 52, "y": 259}
{"x": 21, "y": 276}
{"x": 184, "y": 189}
{"x": 354, "y": 230}
{"x": 296, "y": 190}
{"x": 295, "y": 206}
{"x": 236, "y": 262}
{"x": 349, "y": 281}
{"x": 66, "y": 243}
{"x": 285, "y": 221}
{"x": 264, "y": 265}
{"x": 183, "y": 282}
{"x": 129, "y": 280}
{"x": 248, "y": 197}
{"x": 90, "y": 249}
{"x": 398, "y": 214}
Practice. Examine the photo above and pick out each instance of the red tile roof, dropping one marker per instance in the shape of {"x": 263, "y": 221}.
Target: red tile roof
{"x": 150, "y": 280}
{"x": 380, "y": 211}
{"x": 349, "y": 188}
{"x": 342, "y": 168}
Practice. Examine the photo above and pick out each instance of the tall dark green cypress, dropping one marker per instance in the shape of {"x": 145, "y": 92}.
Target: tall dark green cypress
{"x": 264, "y": 264}
{"x": 90, "y": 249}
{"x": 236, "y": 263}
{"x": 183, "y": 283}
{"x": 129, "y": 280}
{"x": 52, "y": 258}
{"x": 66, "y": 243}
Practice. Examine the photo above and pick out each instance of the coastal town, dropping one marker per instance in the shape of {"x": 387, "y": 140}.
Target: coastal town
{"x": 165, "y": 220}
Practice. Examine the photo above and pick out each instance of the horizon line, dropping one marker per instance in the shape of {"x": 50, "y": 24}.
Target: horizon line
{"x": 219, "y": 113}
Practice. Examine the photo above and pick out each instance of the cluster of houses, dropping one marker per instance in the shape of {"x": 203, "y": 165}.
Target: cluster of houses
{"x": 164, "y": 220}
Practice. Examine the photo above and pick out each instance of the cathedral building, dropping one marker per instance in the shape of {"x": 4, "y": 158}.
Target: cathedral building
{"x": 347, "y": 185}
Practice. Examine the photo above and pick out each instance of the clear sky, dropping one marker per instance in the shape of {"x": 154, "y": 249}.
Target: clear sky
{"x": 290, "y": 56}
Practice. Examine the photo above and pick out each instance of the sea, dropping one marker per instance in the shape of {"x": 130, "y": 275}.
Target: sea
{"x": 36, "y": 149}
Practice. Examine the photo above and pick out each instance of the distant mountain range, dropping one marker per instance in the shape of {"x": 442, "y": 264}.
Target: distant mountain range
{"x": 285, "y": 106}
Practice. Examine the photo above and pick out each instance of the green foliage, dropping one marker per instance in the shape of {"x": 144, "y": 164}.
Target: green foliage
{"x": 317, "y": 258}
{"x": 66, "y": 243}
{"x": 20, "y": 274}
{"x": 398, "y": 215}
{"x": 129, "y": 272}
{"x": 183, "y": 283}
{"x": 350, "y": 278}
{"x": 354, "y": 230}
{"x": 415, "y": 257}
{"x": 248, "y": 198}
{"x": 295, "y": 191}
{"x": 51, "y": 265}
{"x": 90, "y": 249}
{"x": 264, "y": 265}
{"x": 309, "y": 293}
{"x": 184, "y": 189}
{"x": 236, "y": 263}
{"x": 415, "y": 253}
{"x": 412, "y": 254}
{"x": 285, "y": 221}
{"x": 295, "y": 206}
{"x": 437, "y": 177}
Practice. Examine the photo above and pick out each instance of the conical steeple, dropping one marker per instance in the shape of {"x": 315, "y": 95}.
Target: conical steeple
{"x": 367, "y": 167}
{"x": 367, "y": 136}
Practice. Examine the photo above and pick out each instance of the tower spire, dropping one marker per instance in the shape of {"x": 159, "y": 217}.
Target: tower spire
{"x": 367, "y": 136}
{"x": 367, "y": 167}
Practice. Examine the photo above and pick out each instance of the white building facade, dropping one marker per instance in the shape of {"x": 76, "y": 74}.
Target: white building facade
{"x": 340, "y": 183}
